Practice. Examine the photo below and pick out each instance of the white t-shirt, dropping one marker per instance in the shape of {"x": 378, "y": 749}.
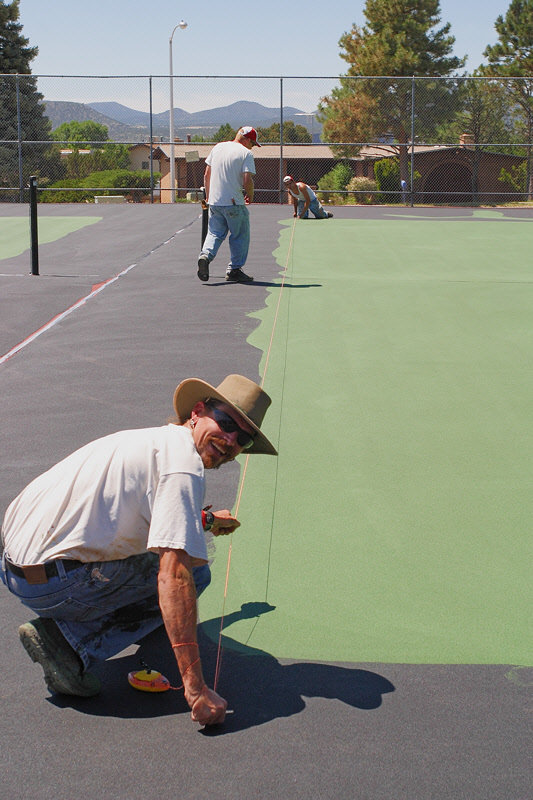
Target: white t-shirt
{"x": 301, "y": 196}
{"x": 228, "y": 161}
{"x": 118, "y": 496}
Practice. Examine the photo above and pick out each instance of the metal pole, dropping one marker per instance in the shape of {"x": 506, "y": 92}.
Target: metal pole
{"x": 281, "y": 141}
{"x": 412, "y": 140}
{"x": 151, "y": 146}
{"x": 19, "y": 129}
{"x": 181, "y": 25}
{"x": 34, "y": 237}
{"x": 172, "y": 162}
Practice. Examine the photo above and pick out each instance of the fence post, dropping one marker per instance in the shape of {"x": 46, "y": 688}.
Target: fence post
{"x": 280, "y": 141}
{"x": 19, "y": 134}
{"x": 34, "y": 237}
{"x": 412, "y": 140}
{"x": 151, "y": 146}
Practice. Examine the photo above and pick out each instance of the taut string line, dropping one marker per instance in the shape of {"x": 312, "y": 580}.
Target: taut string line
{"x": 219, "y": 649}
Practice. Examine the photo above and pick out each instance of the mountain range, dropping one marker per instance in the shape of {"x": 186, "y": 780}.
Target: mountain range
{"x": 129, "y": 125}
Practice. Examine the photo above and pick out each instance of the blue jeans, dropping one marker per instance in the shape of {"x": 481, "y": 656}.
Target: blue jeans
{"x": 103, "y": 607}
{"x": 234, "y": 220}
{"x": 315, "y": 207}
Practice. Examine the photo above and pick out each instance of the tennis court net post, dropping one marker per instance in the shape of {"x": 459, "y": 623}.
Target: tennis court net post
{"x": 34, "y": 236}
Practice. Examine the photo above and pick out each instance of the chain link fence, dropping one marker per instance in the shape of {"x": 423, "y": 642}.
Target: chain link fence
{"x": 452, "y": 141}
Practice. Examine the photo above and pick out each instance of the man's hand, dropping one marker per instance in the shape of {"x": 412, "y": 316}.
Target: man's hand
{"x": 208, "y": 708}
{"x": 224, "y": 523}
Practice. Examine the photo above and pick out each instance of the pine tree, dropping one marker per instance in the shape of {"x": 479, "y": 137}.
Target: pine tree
{"x": 511, "y": 58}
{"x": 18, "y": 93}
{"x": 399, "y": 42}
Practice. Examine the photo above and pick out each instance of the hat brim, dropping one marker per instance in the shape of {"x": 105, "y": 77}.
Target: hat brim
{"x": 194, "y": 390}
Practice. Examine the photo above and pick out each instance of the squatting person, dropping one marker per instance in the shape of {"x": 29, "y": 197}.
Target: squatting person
{"x": 304, "y": 199}
{"x": 109, "y": 543}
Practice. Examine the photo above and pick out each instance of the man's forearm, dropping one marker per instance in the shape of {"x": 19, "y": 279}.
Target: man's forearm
{"x": 177, "y": 599}
{"x": 248, "y": 185}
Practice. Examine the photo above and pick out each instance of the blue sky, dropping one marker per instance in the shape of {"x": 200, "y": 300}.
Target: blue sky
{"x": 131, "y": 37}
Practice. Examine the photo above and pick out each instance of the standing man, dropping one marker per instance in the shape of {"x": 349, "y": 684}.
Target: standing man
{"x": 304, "y": 199}
{"x": 109, "y": 544}
{"x": 229, "y": 187}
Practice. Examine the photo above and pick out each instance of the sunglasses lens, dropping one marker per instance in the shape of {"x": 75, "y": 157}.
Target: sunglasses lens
{"x": 228, "y": 425}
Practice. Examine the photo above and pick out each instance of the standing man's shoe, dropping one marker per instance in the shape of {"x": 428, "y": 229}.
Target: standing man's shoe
{"x": 238, "y": 276}
{"x": 63, "y": 668}
{"x": 203, "y": 268}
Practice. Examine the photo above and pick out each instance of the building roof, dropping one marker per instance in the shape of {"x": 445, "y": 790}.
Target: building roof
{"x": 267, "y": 151}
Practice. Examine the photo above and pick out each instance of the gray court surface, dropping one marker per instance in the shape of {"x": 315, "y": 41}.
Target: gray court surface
{"x": 298, "y": 729}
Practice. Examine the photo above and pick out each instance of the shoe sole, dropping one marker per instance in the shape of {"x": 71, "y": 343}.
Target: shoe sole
{"x": 203, "y": 269}
{"x": 238, "y": 280}
{"x": 58, "y": 678}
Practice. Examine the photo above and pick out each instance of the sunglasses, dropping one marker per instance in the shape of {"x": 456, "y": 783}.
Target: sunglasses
{"x": 228, "y": 425}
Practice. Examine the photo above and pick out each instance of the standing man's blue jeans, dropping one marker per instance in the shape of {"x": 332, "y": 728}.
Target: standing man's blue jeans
{"x": 315, "y": 207}
{"x": 234, "y": 220}
{"x": 103, "y": 607}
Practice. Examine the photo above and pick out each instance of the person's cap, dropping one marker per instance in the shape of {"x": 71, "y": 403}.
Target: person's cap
{"x": 250, "y": 133}
{"x": 243, "y": 395}
{"x": 288, "y": 179}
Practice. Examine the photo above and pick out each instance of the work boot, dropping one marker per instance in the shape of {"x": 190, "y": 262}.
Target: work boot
{"x": 203, "y": 267}
{"x": 238, "y": 276}
{"x": 63, "y": 668}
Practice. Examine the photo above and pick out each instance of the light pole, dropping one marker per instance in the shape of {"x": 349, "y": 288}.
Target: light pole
{"x": 181, "y": 25}
{"x": 308, "y": 114}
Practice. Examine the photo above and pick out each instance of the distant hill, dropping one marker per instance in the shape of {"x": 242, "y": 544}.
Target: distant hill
{"x": 240, "y": 113}
{"x": 59, "y": 111}
{"x": 129, "y": 125}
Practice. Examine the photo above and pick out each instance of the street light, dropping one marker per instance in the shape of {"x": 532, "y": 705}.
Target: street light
{"x": 181, "y": 25}
{"x": 308, "y": 114}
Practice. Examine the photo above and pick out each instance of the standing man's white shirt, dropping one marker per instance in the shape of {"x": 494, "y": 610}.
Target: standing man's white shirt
{"x": 228, "y": 162}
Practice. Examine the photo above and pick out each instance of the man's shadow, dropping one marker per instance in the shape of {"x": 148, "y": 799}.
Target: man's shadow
{"x": 257, "y": 687}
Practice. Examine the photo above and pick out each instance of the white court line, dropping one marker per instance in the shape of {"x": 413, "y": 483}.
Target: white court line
{"x": 99, "y": 288}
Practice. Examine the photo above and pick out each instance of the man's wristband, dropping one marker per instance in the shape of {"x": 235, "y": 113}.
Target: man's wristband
{"x": 208, "y": 520}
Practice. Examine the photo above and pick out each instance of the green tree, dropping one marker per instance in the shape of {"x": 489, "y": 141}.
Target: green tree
{"x": 399, "y": 41}
{"x": 292, "y": 134}
{"x": 83, "y": 133}
{"x": 225, "y": 133}
{"x": 511, "y": 59}
{"x": 18, "y": 92}
{"x": 483, "y": 117}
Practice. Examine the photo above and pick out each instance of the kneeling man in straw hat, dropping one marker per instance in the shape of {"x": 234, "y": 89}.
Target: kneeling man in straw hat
{"x": 109, "y": 544}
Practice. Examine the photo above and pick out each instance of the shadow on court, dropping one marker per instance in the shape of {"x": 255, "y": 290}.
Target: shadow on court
{"x": 256, "y": 685}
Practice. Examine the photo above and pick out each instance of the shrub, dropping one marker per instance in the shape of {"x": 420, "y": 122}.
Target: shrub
{"x": 335, "y": 180}
{"x": 366, "y": 189}
{"x": 103, "y": 183}
{"x": 387, "y": 172}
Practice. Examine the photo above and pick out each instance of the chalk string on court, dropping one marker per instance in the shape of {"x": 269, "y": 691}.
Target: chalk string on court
{"x": 245, "y": 468}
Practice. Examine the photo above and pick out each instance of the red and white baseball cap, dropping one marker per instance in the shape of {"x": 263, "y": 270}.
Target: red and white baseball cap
{"x": 250, "y": 133}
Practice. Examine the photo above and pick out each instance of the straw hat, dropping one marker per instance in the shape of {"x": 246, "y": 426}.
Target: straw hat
{"x": 242, "y": 394}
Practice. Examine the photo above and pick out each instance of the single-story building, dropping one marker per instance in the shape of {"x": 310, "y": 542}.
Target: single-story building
{"x": 306, "y": 162}
{"x": 447, "y": 174}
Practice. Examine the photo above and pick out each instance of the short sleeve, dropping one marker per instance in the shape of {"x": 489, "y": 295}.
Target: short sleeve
{"x": 177, "y": 515}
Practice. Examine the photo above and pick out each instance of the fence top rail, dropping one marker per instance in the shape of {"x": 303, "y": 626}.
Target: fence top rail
{"x": 286, "y": 77}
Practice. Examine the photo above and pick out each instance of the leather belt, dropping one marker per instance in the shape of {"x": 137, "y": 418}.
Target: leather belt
{"x": 39, "y": 573}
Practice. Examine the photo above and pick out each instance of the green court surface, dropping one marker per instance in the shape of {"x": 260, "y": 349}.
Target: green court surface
{"x": 395, "y": 524}
{"x": 15, "y": 231}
